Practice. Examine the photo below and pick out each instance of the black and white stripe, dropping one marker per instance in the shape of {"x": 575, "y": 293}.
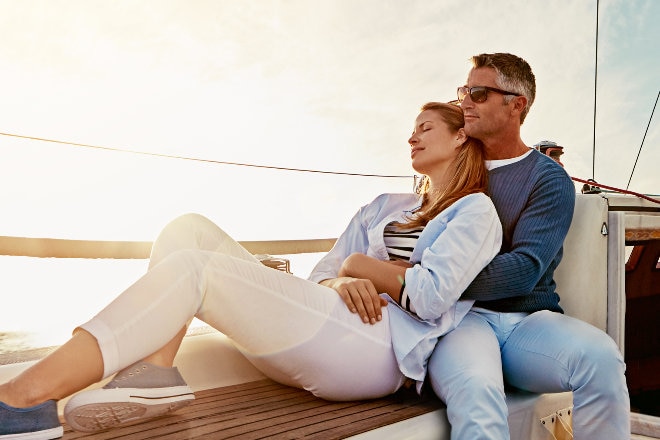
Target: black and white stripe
{"x": 400, "y": 242}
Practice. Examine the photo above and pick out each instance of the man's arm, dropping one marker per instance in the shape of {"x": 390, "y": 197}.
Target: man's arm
{"x": 536, "y": 239}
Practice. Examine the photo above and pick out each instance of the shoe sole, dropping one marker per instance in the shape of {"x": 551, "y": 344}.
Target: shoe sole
{"x": 46, "y": 434}
{"x": 107, "y": 408}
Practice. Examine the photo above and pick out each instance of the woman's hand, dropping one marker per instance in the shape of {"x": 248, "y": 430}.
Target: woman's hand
{"x": 386, "y": 276}
{"x": 360, "y": 296}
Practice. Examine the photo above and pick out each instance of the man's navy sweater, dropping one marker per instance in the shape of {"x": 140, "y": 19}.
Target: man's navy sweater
{"x": 534, "y": 198}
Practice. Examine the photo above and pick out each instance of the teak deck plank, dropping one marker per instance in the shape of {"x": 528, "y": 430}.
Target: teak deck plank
{"x": 265, "y": 409}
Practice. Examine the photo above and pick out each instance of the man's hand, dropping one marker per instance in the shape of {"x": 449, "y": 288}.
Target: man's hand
{"x": 360, "y": 296}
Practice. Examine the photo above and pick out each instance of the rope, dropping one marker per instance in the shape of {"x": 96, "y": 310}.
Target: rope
{"x": 643, "y": 139}
{"x": 588, "y": 182}
{"x": 168, "y": 156}
{"x": 593, "y": 147}
{"x": 619, "y": 190}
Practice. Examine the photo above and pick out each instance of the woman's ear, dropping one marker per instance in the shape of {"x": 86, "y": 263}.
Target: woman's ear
{"x": 461, "y": 136}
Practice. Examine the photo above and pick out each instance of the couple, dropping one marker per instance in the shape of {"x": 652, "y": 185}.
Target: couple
{"x": 448, "y": 287}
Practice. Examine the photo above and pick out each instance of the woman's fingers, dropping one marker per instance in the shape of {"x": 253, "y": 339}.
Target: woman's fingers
{"x": 362, "y": 309}
{"x": 362, "y": 298}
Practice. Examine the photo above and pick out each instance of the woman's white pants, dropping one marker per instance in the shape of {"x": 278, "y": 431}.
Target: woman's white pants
{"x": 293, "y": 330}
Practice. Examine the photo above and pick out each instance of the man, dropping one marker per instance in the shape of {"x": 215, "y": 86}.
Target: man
{"x": 516, "y": 331}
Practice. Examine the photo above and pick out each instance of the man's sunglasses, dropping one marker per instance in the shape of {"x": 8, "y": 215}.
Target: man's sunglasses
{"x": 480, "y": 93}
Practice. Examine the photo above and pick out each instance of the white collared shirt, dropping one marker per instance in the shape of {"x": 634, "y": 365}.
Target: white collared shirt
{"x": 451, "y": 250}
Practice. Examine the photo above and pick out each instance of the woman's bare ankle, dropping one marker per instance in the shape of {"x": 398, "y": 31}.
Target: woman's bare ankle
{"x": 165, "y": 356}
{"x": 159, "y": 361}
{"x": 4, "y": 394}
{"x": 17, "y": 399}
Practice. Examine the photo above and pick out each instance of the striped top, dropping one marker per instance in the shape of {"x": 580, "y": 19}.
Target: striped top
{"x": 400, "y": 242}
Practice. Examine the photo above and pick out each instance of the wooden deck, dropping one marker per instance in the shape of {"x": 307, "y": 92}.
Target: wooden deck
{"x": 265, "y": 409}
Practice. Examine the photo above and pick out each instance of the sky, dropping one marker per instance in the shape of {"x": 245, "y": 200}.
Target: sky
{"x": 326, "y": 85}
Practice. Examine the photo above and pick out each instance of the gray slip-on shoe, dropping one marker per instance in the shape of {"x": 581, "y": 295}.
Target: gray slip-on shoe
{"x": 139, "y": 392}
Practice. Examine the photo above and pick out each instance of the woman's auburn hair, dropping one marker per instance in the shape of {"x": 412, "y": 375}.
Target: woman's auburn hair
{"x": 470, "y": 172}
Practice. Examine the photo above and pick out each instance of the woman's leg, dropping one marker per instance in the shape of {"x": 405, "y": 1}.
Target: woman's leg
{"x": 294, "y": 330}
{"x": 55, "y": 377}
{"x": 189, "y": 231}
{"x": 164, "y": 357}
{"x": 344, "y": 360}
{"x": 194, "y": 231}
{"x": 73, "y": 366}
{"x": 268, "y": 314}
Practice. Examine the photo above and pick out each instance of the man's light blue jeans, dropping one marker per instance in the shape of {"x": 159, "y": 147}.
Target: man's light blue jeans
{"x": 542, "y": 352}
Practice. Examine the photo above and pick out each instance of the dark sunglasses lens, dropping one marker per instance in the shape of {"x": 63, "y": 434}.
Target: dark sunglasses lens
{"x": 478, "y": 94}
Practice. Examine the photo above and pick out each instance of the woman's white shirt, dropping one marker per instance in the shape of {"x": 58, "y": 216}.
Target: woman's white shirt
{"x": 451, "y": 250}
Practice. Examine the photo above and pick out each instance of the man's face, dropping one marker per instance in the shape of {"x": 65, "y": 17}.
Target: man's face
{"x": 484, "y": 119}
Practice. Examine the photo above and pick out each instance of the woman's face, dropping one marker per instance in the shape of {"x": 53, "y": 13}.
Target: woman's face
{"x": 433, "y": 145}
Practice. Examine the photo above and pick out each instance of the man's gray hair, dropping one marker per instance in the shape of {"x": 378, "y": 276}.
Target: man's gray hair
{"x": 513, "y": 74}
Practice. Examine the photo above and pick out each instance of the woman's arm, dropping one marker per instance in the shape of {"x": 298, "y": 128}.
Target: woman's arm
{"x": 360, "y": 280}
{"x": 387, "y": 276}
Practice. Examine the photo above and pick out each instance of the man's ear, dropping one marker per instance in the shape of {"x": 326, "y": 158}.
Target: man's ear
{"x": 520, "y": 102}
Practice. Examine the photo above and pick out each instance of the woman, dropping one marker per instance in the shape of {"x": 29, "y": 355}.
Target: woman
{"x": 418, "y": 250}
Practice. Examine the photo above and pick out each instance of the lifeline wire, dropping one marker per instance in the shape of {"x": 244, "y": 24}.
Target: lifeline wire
{"x": 590, "y": 182}
{"x": 168, "y": 156}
